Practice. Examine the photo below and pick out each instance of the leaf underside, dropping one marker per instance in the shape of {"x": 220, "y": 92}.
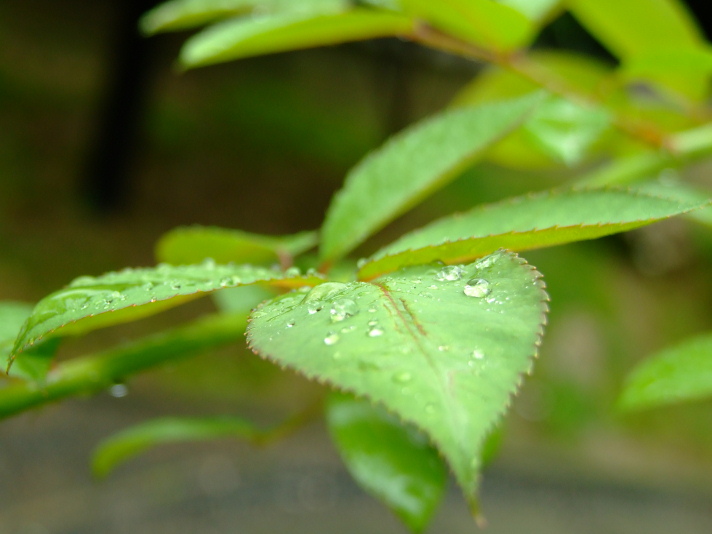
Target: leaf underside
{"x": 419, "y": 345}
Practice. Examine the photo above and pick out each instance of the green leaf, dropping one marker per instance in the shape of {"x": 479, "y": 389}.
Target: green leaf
{"x": 98, "y": 372}
{"x": 684, "y": 192}
{"x": 393, "y": 462}
{"x": 268, "y": 34}
{"x": 139, "y": 438}
{"x": 196, "y": 243}
{"x": 522, "y": 223}
{"x": 631, "y": 27}
{"x": 491, "y": 25}
{"x": 91, "y": 302}
{"x": 182, "y": 14}
{"x": 679, "y": 373}
{"x": 443, "y": 349}
{"x": 12, "y": 317}
{"x": 410, "y": 166}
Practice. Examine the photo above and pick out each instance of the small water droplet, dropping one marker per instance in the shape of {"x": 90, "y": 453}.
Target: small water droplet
{"x": 477, "y": 354}
{"x": 372, "y": 310}
{"x": 347, "y": 329}
{"x": 342, "y": 309}
{"x": 375, "y": 331}
{"x": 118, "y": 390}
{"x": 291, "y": 323}
{"x": 313, "y": 308}
{"x": 477, "y": 287}
{"x": 449, "y": 273}
{"x": 292, "y": 271}
{"x": 444, "y": 348}
{"x": 402, "y": 377}
{"x": 331, "y": 338}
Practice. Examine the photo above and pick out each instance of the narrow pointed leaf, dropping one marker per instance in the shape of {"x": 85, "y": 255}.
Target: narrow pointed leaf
{"x": 392, "y": 461}
{"x": 442, "y": 349}
{"x": 676, "y": 374}
{"x": 268, "y": 34}
{"x": 410, "y": 166}
{"x": 491, "y": 25}
{"x": 631, "y": 27}
{"x": 139, "y": 438}
{"x": 97, "y": 372}
{"x": 196, "y": 243}
{"x": 91, "y": 302}
{"x": 182, "y": 14}
{"x": 523, "y": 223}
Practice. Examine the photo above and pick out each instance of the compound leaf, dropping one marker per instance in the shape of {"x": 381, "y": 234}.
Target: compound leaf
{"x": 443, "y": 349}
{"x": 522, "y": 223}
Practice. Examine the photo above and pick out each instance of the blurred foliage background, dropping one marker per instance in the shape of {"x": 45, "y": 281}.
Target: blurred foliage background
{"x": 104, "y": 147}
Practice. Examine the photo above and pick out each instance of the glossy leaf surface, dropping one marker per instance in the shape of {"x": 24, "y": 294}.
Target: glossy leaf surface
{"x": 679, "y": 373}
{"x": 631, "y": 27}
{"x": 411, "y": 165}
{"x": 443, "y": 348}
{"x": 268, "y": 34}
{"x": 137, "y": 439}
{"x": 182, "y": 14}
{"x": 91, "y": 302}
{"x": 535, "y": 221}
{"x": 196, "y": 243}
{"x": 393, "y": 462}
{"x": 491, "y": 25}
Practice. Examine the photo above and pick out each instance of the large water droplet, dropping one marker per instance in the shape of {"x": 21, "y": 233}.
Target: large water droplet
{"x": 342, "y": 309}
{"x": 477, "y": 287}
{"x": 118, "y": 390}
{"x": 449, "y": 273}
{"x": 331, "y": 338}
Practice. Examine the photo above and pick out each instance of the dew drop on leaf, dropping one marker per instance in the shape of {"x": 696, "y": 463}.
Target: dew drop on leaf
{"x": 402, "y": 377}
{"x": 375, "y": 331}
{"x": 331, "y": 338}
{"x": 477, "y": 287}
{"x": 342, "y": 309}
{"x": 449, "y": 273}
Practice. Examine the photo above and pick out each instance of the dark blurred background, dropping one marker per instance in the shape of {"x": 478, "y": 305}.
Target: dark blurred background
{"x": 104, "y": 146}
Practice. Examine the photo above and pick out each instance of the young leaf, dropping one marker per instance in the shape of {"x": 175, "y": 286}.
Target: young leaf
{"x": 393, "y": 462}
{"x": 410, "y": 166}
{"x": 490, "y": 25}
{"x": 137, "y": 439}
{"x": 631, "y": 27}
{"x": 443, "y": 349}
{"x": 91, "y": 302}
{"x": 196, "y": 243}
{"x": 679, "y": 373}
{"x": 268, "y": 34}
{"x": 522, "y": 223}
{"x": 98, "y": 372}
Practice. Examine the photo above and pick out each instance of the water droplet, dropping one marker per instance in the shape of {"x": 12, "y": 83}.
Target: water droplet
{"x": 291, "y": 323}
{"x": 118, "y": 390}
{"x": 342, "y": 309}
{"x": 292, "y": 271}
{"x": 226, "y": 281}
{"x": 313, "y": 308}
{"x": 449, "y": 273}
{"x": 372, "y": 310}
{"x": 477, "y": 287}
{"x": 347, "y": 329}
{"x": 375, "y": 331}
{"x": 444, "y": 348}
{"x": 331, "y": 338}
{"x": 402, "y": 377}
{"x": 477, "y": 354}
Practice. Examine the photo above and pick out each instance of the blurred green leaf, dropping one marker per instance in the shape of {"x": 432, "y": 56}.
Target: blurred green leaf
{"x": 12, "y": 317}
{"x": 535, "y": 221}
{"x": 393, "y": 462}
{"x": 560, "y": 130}
{"x": 535, "y": 10}
{"x": 684, "y": 192}
{"x": 268, "y": 34}
{"x": 196, "y": 243}
{"x": 410, "y": 166}
{"x": 492, "y": 25}
{"x": 443, "y": 349}
{"x": 100, "y": 371}
{"x": 183, "y": 14}
{"x": 132, "y": 441}
{"x": 89, "y": 302}
{"x": 679, "y": 373}
{"x": 632, "y": 27}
